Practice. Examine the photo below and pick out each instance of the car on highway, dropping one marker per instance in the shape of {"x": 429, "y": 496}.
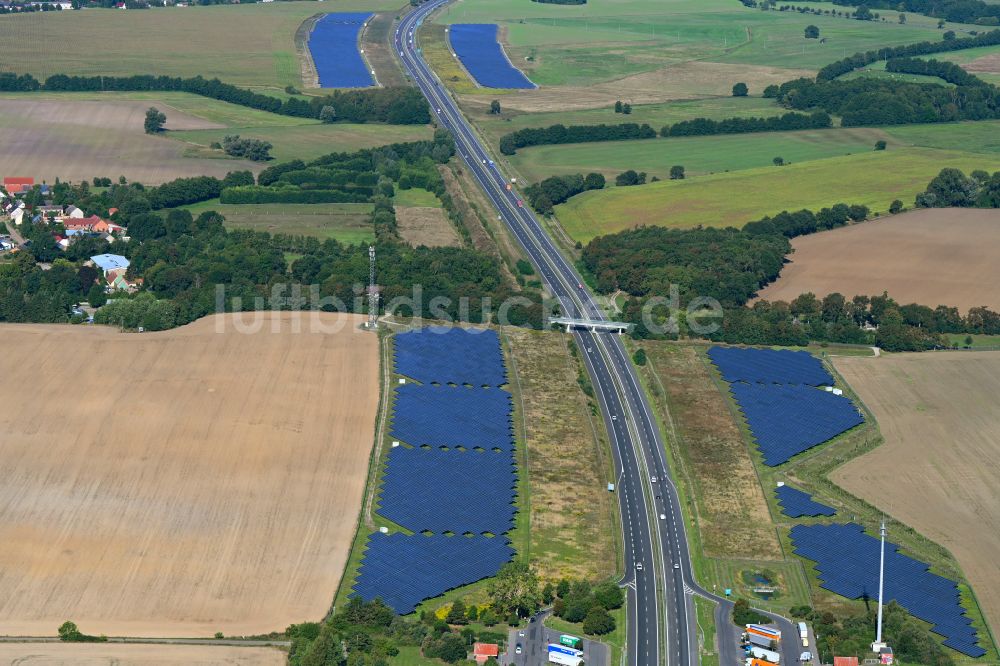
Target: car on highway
{"x": 638, "y": 566}
{"x": 663, "y": 516}
{"x": 653, "y": 479}
{"x": 517, "y": 649}
{"x": 676, "y": 565}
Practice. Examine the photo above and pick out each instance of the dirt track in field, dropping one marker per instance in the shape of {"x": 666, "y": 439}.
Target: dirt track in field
{"x": 937, "y": 470}
{"x": 117, "y": 654}
{"x": 183, "y": 482}
{"x": 940, "y": 256}
{"x": 78, "y": 140}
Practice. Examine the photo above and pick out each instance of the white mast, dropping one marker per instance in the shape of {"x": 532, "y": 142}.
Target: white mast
{"x": 878, "y": 644}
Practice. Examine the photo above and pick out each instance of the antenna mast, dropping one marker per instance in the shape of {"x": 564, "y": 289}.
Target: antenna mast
{"x": 372, "y": 290}
{"x": 878, "y": 645}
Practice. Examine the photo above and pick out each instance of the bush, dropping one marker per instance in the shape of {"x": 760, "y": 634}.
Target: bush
{"x": 639, "y": 357}
{"x": 740, "y": 90}
{"x": 255, "y": 150}
{"x": 744, "y": 615}
{"x": 598, "y": 622}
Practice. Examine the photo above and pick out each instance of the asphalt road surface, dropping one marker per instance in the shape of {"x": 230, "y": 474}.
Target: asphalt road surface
{"x": 534, "y": 641}
{"x": 658, "y": 575}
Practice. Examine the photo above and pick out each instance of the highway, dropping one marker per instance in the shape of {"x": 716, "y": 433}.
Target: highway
{"x": 658, "y": 574}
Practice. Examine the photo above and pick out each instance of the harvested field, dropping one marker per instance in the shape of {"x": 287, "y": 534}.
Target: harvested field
{"x": 573, "y": 532}
{"x": 941, "y": 256}
{"x": 936, "y": 471}
{"x": 77, "y": 140}
{"x": 679, "y": 81}
{"x": 191, "y": 481}
{"x": 421, "y": 225}
{"x": 989, "y": 64}
{"x": 132, "y": 654}
{"x": 732, "y": 512}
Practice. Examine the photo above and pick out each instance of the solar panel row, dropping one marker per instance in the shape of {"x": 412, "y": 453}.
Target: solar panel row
{"x": 450, "y": 355}
{"x": 847, "y": 560}
{"x": 404, "y": 570}
{"x": 453, "y": 416}
{"x": 452, "y": 491}
{"x": 795, "y": 503}
{"x": 459, "y": 477}
{"x": 770, "y": 366}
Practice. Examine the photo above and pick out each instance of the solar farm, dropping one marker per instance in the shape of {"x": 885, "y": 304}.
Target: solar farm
{"x": 333, "y": 45}
{"x": 479, "y": 50}
{"x": 450, "y": 475}
{"x": 847, "y": 561}
{"x": 796, "y": 503}
{"x": 779, "y": 393}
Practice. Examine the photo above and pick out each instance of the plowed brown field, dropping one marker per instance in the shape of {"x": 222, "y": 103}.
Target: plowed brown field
{"x": 118, "y": 654}
{"x": 937, "y": 470}
{"x": 184, "y": 482}
{"x": 936, "y": 256}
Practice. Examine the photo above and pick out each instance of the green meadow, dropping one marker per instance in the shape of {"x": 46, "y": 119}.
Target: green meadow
{"x": 698, "y": 155}
{"x": 347, "y": 223}
{"x": 732, "y": 199}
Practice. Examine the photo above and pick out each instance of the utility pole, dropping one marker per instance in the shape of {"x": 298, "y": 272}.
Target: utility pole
{"x": 372, "y": 290}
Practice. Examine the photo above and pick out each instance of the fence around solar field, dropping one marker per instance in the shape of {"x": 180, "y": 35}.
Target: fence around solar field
{"x": 482, "y": 56}
{"x": 452, "y": 474}
{"x": 847, "y": 561}
{"x": 333, "y": 45}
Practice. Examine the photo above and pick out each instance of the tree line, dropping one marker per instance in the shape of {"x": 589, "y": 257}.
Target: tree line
{"x": 867, "y": 101}
{"x": 952, "y": 188}
{"x": 782, "y": 123}
{"x": 946, "y": 71}
{"x": 859, "y": 60}
{"x": 397, "y": 106}
{"x": 956, "y": 11}
{"x": 557, "y": 189}
{"x": 559, "y": 134}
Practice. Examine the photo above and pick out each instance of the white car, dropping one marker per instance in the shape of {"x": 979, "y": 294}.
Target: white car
{"x": 654, "y": 479}
{"x": 676, "y": 566}
{"x": 663, "y": 516}
{"x": 638, "y": 566}
{"x": 517, "y": 650}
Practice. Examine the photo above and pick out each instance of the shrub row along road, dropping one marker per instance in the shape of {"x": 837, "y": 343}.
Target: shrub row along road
{"x": 661, "y": 627}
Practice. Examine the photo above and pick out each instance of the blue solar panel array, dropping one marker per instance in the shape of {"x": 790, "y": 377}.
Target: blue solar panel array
{"x": 333, "y": 44}
{"x": 795, "y": 503}
{"x": 847, "y": 560}
{"x": 459, "y": 476}
{"x": 456, "y": 491}
{"x": 453, "y": 416}
{"x": 404, "y": 570}
{"x": 477, "y": 47}
{"x": 769, "y": 366}
{"x": 450, "y": 355}
{"x": 787, "y": 420}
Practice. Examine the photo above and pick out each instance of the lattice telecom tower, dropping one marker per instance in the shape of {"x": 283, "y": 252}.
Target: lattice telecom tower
{"x": 372, "y": 290}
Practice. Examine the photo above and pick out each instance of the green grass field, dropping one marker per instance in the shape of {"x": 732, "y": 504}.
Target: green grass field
{"x": 310, "y": 139}
{"x": 606, "y": 39}
{"x": 655, "y": 115}
{"x": 698, "y": 155}
{"x": 250, "y": 45}
{"x": 415, "y": 196}
{"x": 347, "y": 223}
{"x": 873, "y": 179}
{"x": 975, "y": 137}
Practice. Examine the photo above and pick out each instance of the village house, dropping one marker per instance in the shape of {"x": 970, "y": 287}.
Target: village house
{"x": 17, "y": 185}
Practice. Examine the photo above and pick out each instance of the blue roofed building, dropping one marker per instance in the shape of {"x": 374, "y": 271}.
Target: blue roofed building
{"x": 110, "y": 262}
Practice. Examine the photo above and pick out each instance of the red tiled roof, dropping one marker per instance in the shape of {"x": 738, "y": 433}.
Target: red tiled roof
{"x": 845, "y": 661}
{"x": 84, "y": 223}
{"x": 486, "y": 649}
{"x": 17, "y": 184}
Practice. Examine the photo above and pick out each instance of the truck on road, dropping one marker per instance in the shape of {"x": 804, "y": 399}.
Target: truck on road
{"x": 803, "y": 630}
